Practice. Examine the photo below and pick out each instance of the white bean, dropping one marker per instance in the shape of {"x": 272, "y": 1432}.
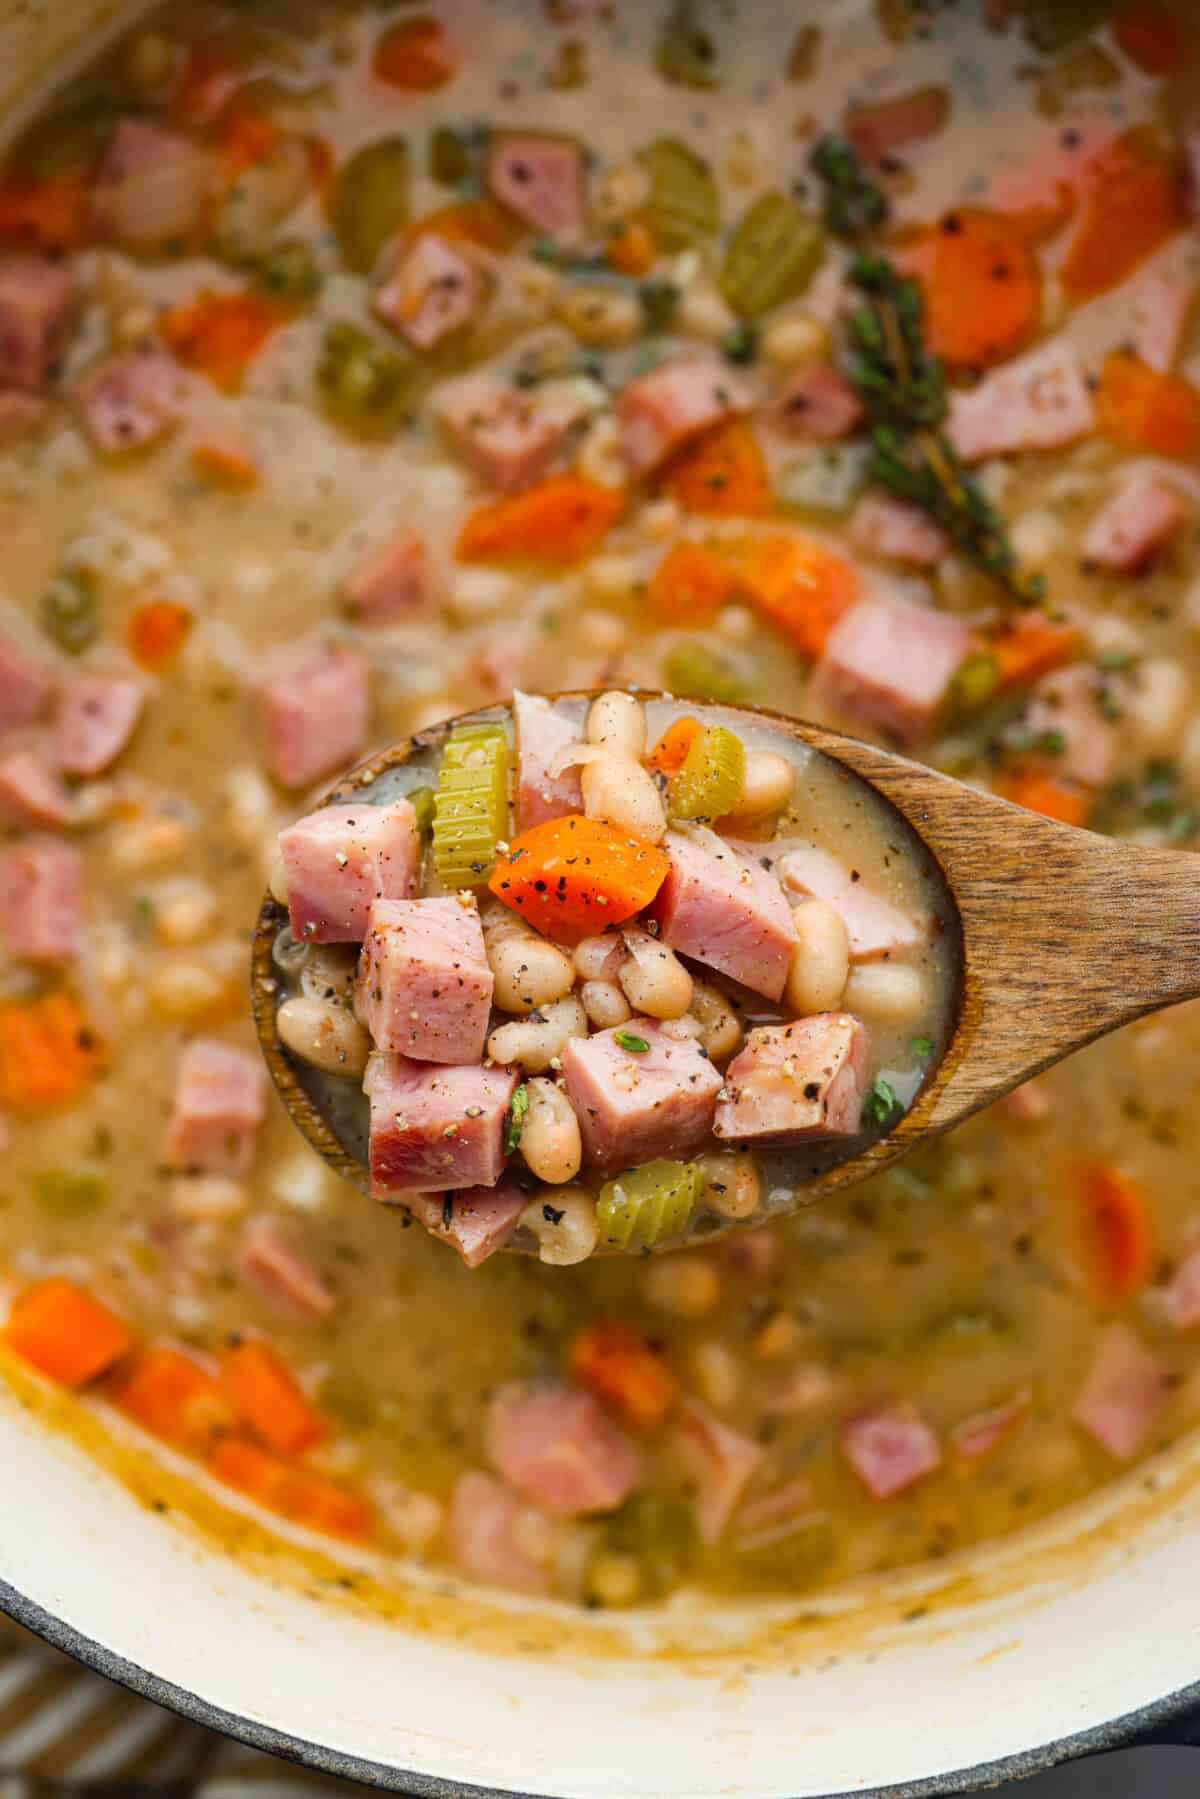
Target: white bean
{"x": 721, "y": 1030}
{"x": 600, "y": 316}
{"x": 530, "y": 973}
{"x": 564, "y": 1224}
{"x": 654, "y": 980}
{"x": 619, "y": 192}
{"x": 715, "y": 1373}
{"x": 886, "y": 993}
{"x": 617, "y": 722}
{"x": 794, "y": 338}
{"x": 598, "y": 958}
{"x": 208, "y": 1198}
{"x": 328, "y": 972}
{"x": 536, "y": 1043}
{"x": 734, "y": 1187}
{"x": 185, "y": 912}
{"x": 605, "y": 1004}
{"x": 328, "y": 1036}
{"x": 820, "y": 960}
{"x": 681, "y": 1286}
{"x": 624, "y": 794}
{"x": 477, "y": 594}
{"x": 767, "y": 787}
{"x": 183, "y": 990}
{"x": 1155, "y": 703}
{"x": 702, "y": 312}
{"x": 550, "y": 1139}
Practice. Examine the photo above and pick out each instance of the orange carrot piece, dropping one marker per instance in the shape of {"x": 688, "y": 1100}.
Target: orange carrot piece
{"x": 1115, "y": 1232}
{"x": 1141, "y": 409}
{"x": 723, "y": 475}
{"x": 1150, "y": 37}
{"x": 1030, "y": 646}
{"x": 982, "y": 285}
{"x": 46, "y": 213}
{"x": 221, "y": 334}
{"x": 211, "y": 77}
{"x": 802, "y": 587}
{"x": 632, "y": 250}
{"x": 64, "y": 1333}
{"x": 247, "y": 136}
{"x": 624, "y": 1370}
{"x": 1135, "y": 206}
{"x": 305, "y": 1498}
{"x": 225, "y": 462}
{"x": 1047, "y": 794}
{"x": 670, "y": 752}
{"x": 418, "y": 55}
{"x": 573, "y": 876}
{"x": 478, "y": 222}
{"x": 691, "y": 584}
{"x": 156, "y": 632}
{"x": 48, "y": 1053}
{"x": 172, "y": 1396}
{"x": 270, "y": 1399}
{"x": 559, "y": 521}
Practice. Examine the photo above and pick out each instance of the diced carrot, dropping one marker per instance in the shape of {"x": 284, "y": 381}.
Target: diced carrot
{"x": 156, "y": 632}
{"x": 1150, "y": 37}
{"x": 802, "y": 587}
{"x": 471, "y": 221}
{"x": 46, "y": 213}
{"x": 1047, "y": 794}
{"x": 574, "y": 876}
{"x": 226, "y": 462}
{"x": 48, "y": 1053}
{"x": 1136, "y": 204}
{"x": 632, "y": 250}
{"x": 1114, "y": 1228}
{"x": 723, "y": 475}
{"x": 1141, "y": 409}
{"x": 1032, "y": 645}
{"x": 221, "y": 334}
{"x": 64, "y": 1333}
{"x": 560, "y": 521}
{"x": 1041, "y": 221}
{"x": 172, "y": 1396}
{"x": 624, "y": 1370}
{"x": 270, "y": 1399}
{"x": 982, "y": 285}
{"x": 296, "y": 1493}
{"x": 691, "y": 584}
{"x": 322, "y": 162}
{"x": 247, "y": 136}
{"x": 418, "y": 55}
{"x": 670, "y": 752}
{"x": 210, "y": 77}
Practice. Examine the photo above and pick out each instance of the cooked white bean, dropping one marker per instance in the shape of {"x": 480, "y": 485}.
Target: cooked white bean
{"x": 734, "y": 1188}
{"x": 614, "y": 1578}
{"x": 1155, "y": 701}
{"x": 185, "y": 912}
{"x": 721, "y": 1030}
{"x": 681, "y": 1286}
{"x": 624, "y": 794}
{"x": 794, "y": 338}
{"x": 598, "y": 958}
{"x": 767, "y": 787}
{"x": 328, "y": 1036}
{"x": 601, "y": 458}
{"x": 617, "y": 722}
{"x": 207, "y": 1198}
{"x": 683, "y": 1029}
{"x": 820, "y": 961}
{"x": 183, "y": 990}
{"x": 605, "y": 1004}
{"x": 601, "y": 316}
{"x": 142, "y": 846}
{"x": 653, "y": 979}
{"x": 886, "y": 992}
{"x": 702, "y": 312}
{"x": 608, "y": 578}
{"x": 715, "y": 1373}
{"x": 477, "y": 594}
{"x": 530, "y": 973}
{"x": 564, "y": 1223}
{"x": 537, "y": 1042}
{"x": 601, "y": 631}
{"x": 328, "y": 972}
{"x": 619, "y": 192}
{"x": 550, "y": 1140}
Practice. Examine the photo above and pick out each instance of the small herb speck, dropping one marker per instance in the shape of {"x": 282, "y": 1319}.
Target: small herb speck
{"x": 882, "y": 1104}
{"x": 637, "y": 1046}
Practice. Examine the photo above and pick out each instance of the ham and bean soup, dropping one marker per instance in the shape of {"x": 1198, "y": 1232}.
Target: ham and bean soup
{"x": 364, "y": 366}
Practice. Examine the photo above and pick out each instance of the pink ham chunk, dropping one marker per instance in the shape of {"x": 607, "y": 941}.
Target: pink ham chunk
{"x": 1134, "y": 527}
{"x": 508, "y": 436}
{"x": 41, "y": 900}
{"x": 424, "y": 985}
{"x": 95, "y": 719}
{"x": 795, "y": 1083}
{"x": 1067, "y": 722}
{"x": 558, "y": 1447}
{"x": 726, "y": 912}
{"x": 340, "y": 859}
{"x": 981, "y": 1434}
{"x": 32, "y": 792}
{"x": 1039, "y": 402}
{"x": 890, "y": 665}
{"x": 482, "y": 1531}
{"x": 878, "y": 128}
{"x": 432, "y": 289}
{"x": 636, "y": 1105}
{"x": 129, "y": 400}
{"x": 791, "y": 1500}
{"x": 539, "y": 179}
{"x": 661, "y": 411}
{"x": 315, "y": 707}
{"x": 1162, "y": 305}
{"x": 542, "y": 732}
{"x": 875, "y": 927}
{"x": 818, "y": 405}
{"x": 892, "y": 531}
{"x": 153, "y": 186}
{"x": 25, "y": 687}
{"x": 35, "y": 308}
{"x": 890, "y": 1449}
{"x": 476, "y": 1223}
{"x": 220, "y": 1101}
{"x": 1181, "y": 1295}
{"x": 393, "y": 581}
{"x": 720, "y": 1464}
{"x": 433, "y": 1128}
{"x": 1123, "y": 1395}
{"x": 282, "y": 1271}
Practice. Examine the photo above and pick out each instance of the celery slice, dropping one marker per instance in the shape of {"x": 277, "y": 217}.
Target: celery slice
{"x": 709, "y": 784}
{"x": 684, "y": 206}
{"x": 772, "y": 256}
{"x": 370, "y": 201}
{"x": 650, "y": 1204}
{"x": 470, "y": 807}
{"x": 698, "y": 673}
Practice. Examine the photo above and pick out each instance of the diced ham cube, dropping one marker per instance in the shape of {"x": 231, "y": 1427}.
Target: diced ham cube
{"x": 879, "y": 128}
{"x": 792, "y": 1499}
{"x": 891, "y": 665}
{"x": 720, "y": 1464}
{"x": 20, "y": 414}
{"x": 542, "y": 732}
{"x": 890, "y": 1449}
{"x": 282, "y": 1271}
{"x": 1066, "y": 720}
{"x": 32, "y": 792}
{"x": 35, "y": 307}
{"x": 818, "y": 405}
{"x": 41, "y": 900}
{"x": 476, "y": 1223}
{"x": 1181, "y": 1295}
{"x": 558, "y": 1447}
{"x": 315, "y": 708}
{"x": 393, "y": 581}
{"x": 1162, "y": 304}
{"x": 432, "y": 289}
{"x": 25, "y": 687}
{"x": 794, "y": 1083}
{"x": 1039, "y": 402}
{"x": 129, "y": 400}
{"x": 1134, "y": 527}
{"x": 482, "y": 1532}
{"x": 152, "y": 187}
{"x": 981, "y": 1434}
{"x": 726, "y": 912}
{"x": 636, "y": 1105}
{"x": 1027, "y": 1104}
{"x": 435, "y": 1129}
{"x": 220, "y": 1101}
{"x": 892, "y": 531}
{"x": 95, "y": 719}
{"x": 874, "y": 926}
{"x": 661, "y": 411}
{"x": 510, "y": 437}
{"x": 1123, "y": 1394}
{"x": 340, "y": 859}
{"x": 424, "y": 985}
{"x": 539, "y": 178}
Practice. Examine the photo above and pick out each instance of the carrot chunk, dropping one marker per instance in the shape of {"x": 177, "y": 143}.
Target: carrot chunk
{"x": 172, "y": 1396}
{"x": 624, "y": 1370}
{"x": 46, "y": 212}
{"x": 724, "y": 475}
{"x": 1135, "y": 205}
{"x": 632, "y": 250}
{"x": 1141, "y": 409}
{"x": 48, "y": 1053}
{"x": 418, "y": 55}
{"x": 225, "y": 462}
{"x": 691, "y": 584}
{"x": 1030, "y": 646}
{"x": 221, "y": 334}
{"x": 1150, "y": 37}
{"x": 156, "y": 633}
{"x": 573, "y": 876}
{"x": 296, "y": 1493}
{"x": 982, "y": 286}
{"x": 801, "y": 587}
{"x": 270, "y": 1399}
{"x": 247, "y": 136}
{"x": 1115, "y": 1235}
{"x": 1047, "y": 794}
{"x": 478, "y": 222}
{"x": 670, "y": 752}
{"x": 64, "y": 1333}
{"x": 561, "y": 521}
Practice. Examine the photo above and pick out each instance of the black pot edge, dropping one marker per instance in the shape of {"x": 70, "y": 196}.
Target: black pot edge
{"x": 1117, "y": 1733}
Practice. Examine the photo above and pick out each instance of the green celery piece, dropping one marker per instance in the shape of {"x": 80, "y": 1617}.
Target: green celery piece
{"x": 709, "y": 785}
{"x": 695, "y": 672}
{"x": 684, "y": 207}
{"x": 687, "y": 52}
{"x": 367, "y": 387}
{"x": 772, "y": 256}
{"x": 650, "y": 1204}
{"x": 69, "y": 1193}
{"x": 370, "y": 201}
{"x": 70, "y": 610}
{"x": 470, "y": 807}
{"x": 796, "y": 1553}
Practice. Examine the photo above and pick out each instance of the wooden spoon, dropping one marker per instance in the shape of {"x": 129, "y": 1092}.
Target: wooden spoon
{"x": 1065, "y": 936}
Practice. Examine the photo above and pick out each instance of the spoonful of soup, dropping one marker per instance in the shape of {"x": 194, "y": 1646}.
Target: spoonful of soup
{"x": 608, "y": 974}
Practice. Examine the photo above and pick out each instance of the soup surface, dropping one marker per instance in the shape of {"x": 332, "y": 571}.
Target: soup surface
{"x": 360, "y": 366}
